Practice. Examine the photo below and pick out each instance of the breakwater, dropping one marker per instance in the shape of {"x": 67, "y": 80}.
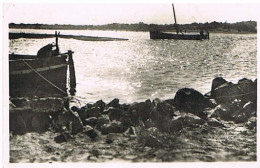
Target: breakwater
{"x": 189, "y": 127}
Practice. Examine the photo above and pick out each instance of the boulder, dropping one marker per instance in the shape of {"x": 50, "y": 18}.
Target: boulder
{"x": 114, "y": 113}
{"x": 215, "y": 123}
{"x": 69, "y": 120}
{"x": 149, "y": 123}
{"x": 90, "y": 132}
{"x": 63, "y": 137}
{"x": 249, "y": 109}
{"x": 151, "y": 137}
{"x": 190, "y": 100}
{"x": 113, "y": 127}
{"x": 103, "y": 119}
{"x": 222, "y": 112}
{"x": 94, "y": 112}
{"x": 218, "y": 81}
{"x": 190, "y": 120}
{"x": 100, "y": 104}
{"x": 161, "y": 111}
{"x": 92, "y": 121}
{"x": 248, "y": 89}
{"x": 251, "y": 123}
{"x": 186, "y": 120}
{"x": 246, "y": 112}
{"x": 140, "y": 110}
{"x": 114, "y": 103}
{"x": 83, "y": 113}
{"x": 245, "y": 90}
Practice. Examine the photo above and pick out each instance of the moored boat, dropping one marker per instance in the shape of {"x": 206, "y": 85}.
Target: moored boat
{"x": 41, "y": 75}
{"x": 157, "y": 34}
{"x": 178, "y": 36}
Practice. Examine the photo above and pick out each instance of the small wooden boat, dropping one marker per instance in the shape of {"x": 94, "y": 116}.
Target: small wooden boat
{"x": 35, "y": 76}
{"x": 157, "y": 34}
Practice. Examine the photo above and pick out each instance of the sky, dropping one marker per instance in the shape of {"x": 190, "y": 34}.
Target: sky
{"x": 104, "y": 13}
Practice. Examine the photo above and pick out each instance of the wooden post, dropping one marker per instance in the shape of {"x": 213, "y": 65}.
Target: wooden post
{"x": 72, "y": 74}
{"x": 57, "y": 45}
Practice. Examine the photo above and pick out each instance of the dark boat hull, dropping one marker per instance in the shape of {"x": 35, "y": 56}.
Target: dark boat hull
{"x": 26, "y": 76}
{"x": 180, "y": 36}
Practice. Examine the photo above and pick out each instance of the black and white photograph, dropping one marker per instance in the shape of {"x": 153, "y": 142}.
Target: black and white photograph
{"x": 159, "y": 82}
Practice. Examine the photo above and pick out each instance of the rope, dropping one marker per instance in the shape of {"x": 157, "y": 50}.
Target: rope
{"x": 44, "y": 77}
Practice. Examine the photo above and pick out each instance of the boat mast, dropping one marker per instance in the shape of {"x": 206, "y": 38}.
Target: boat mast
{"x": 176, "y": 26}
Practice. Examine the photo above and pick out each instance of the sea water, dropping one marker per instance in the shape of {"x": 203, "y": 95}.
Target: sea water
{"x": 140, "y": 68}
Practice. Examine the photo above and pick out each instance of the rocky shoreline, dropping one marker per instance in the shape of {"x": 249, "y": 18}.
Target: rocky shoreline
{"x": 153, "y": 124}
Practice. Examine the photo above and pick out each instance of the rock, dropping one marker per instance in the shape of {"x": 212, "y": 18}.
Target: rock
{"x": 218, "y": 81}
{"x": 140, "y": 110}
{"x": 248, "y": 89}
{"x": 92, "y": 121}
{"x": 90, "y": 132}
{"x": 115, "y": 113}
{"x": 124, "y": 107}
{"x": 176, "y": 124}
{"x": 211, "y": 103}
{"x": 149, "y": 123}
{"x": 40, "y": 122}
{"x": 113, "y": 127}
{"x": 186, "y": 120}
{"x": 126, "y": 120}
{"x": 100, "y": 104}
{"x": 110, "y": 138}
{"x": 222, "y": 112}
{"x": 190, "y": 100}
{"x": 83, "y": 114}
{"x": 94, "y": 112}
{"x": 249, "y": 109}
{"x": 87, "y": 112}
{"x": 161, "y": 111}
{"x": 63, "y": 137}
{"x": 75, "y": 109}
{"x": 215, "y": 123}
{"x": 242, "y": 115}
{"x": 48, "y": 105}
{"x": 103, "y": 119}
{"x": 245, "y": 90}
{"x": 190, "y": 120}
{"x": 69, "y": 120}
{"x": 114, "y": 103}
{"x": 151, "y": 137}
{"x": 76, "y": 125}
{"x": 251, "y": 124}
{"x": 17, "y": 124}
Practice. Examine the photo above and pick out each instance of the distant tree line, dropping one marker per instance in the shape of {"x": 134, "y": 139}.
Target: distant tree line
{"x": 243, "y": 27}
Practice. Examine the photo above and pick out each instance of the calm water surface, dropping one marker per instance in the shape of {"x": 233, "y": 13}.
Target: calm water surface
{"x": 140, "y": 68}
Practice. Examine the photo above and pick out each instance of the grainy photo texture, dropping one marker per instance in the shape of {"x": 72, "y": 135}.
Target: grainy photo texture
{"x": 132, "y": 82}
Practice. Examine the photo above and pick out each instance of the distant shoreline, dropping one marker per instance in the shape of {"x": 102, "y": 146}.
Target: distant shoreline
{"x": 213, "y": 27}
